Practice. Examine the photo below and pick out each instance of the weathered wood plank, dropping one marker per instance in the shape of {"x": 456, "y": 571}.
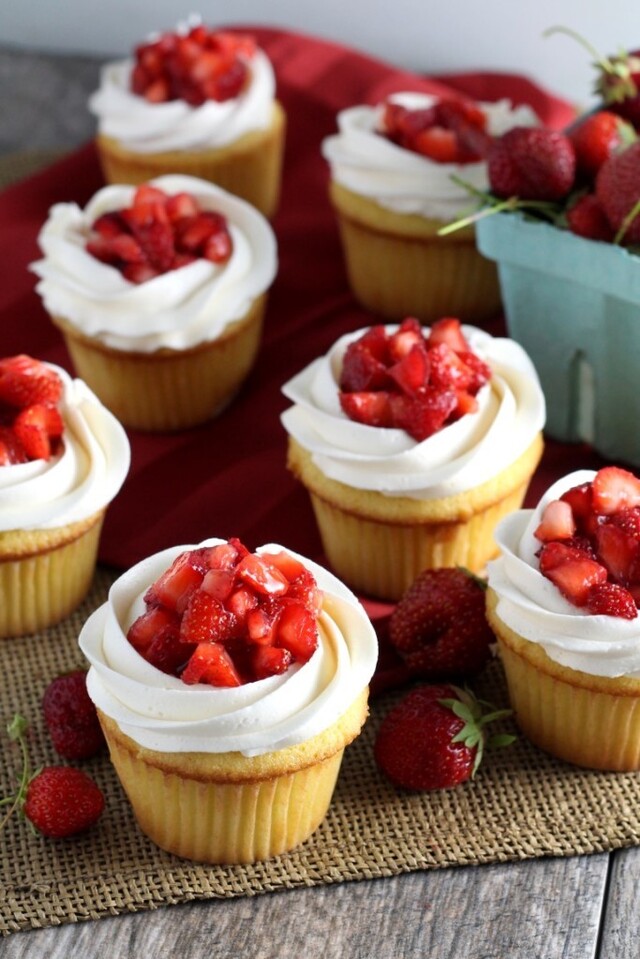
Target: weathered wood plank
{"x": 540, "y": 909}
{"x": 621, "y": 920}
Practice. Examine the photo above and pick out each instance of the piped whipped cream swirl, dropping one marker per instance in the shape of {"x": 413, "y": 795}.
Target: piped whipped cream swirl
{"x": 145, "y": 127}
{"x": 81, "y": 479}
{"x": 178, "y": 309}
{"x": 533, "y": 607}
{"x": 369, "y": 164}
{"x": 162, "y": 713}
{"x": 462, "y": 455}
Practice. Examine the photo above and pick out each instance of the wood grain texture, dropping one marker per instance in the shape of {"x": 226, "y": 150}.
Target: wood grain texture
{"x": 539, "y": 909}
{"x": 620, "y": 924}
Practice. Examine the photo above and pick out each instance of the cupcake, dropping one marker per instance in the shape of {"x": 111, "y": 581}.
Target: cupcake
{"x": 393, "y": 188}
{"x": 159, "y": 291}
{"x": 195, "y": 101}
{"x": 63, "y": 458}
{"x": 562, "y": 600}
{"x": 412, "y": 446}
{"x": 228, "y": 684}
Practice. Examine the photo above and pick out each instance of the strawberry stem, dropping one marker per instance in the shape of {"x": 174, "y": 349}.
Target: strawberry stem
{"x": 17, "y": 729}
{"x": 626, "y": 223}
{"x": 603, "y": 62}
{"x": 467, "y": 707}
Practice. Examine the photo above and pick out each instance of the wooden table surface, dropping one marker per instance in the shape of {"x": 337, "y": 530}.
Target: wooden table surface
{"x": 573, "y": 908}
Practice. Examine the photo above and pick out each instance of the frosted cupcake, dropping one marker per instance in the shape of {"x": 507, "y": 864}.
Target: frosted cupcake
{"x": 562, "y": 601}
{"x": 195, "y": 101}
{"x": 412, "y": 447}
{"x": 160, "y": 293}
{"x": 63, "y": 458}
{"x": 228, "y": 685}
{"x": 392, "y": 168}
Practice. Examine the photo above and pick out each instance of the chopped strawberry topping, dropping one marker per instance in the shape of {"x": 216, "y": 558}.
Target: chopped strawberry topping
{"x": 591, "y": 543}
{"x": 201, "y": 64}
{"x": 406, "y": 380}
{"x": 158, "y": 233}
{"x": 224, "y": 616}
{"x": 449, "y": 131}
{"x": 31, "y": 425}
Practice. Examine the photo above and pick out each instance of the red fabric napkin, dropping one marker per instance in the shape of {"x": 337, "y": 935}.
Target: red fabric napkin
{"x": 228, "y": 478}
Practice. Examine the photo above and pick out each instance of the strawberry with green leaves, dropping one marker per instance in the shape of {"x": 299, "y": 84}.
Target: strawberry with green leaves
{"x": 435, "y": 737}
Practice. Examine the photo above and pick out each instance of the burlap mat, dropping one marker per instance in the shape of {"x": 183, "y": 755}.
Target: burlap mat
{"x": 521, "y": 805}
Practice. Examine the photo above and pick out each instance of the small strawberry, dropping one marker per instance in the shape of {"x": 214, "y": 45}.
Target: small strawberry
{"x": 532, "y": 163}
{"x": 59, "y": 801}
{"x": 597, "y": 137}
{"x": 618, "y": 192}
{"x": 439, "y": 626}
{"x": 435, "y": 738}
{"x": 71, "y": 717}
{"x": 586, "y": 218}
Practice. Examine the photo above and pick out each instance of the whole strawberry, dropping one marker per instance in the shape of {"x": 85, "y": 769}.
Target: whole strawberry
{"x": 532, "y": 163}
{"x": 434, "y": 738}
{"x": 618, "y": 191}
{"x": 439, "y": 627}
{"x": 71, "y": 717}
{"x": 596, "y": 138}
{"x": 59, "y": 801}
{"x": 585, "y": 217}
{"x": 62, "y": 801}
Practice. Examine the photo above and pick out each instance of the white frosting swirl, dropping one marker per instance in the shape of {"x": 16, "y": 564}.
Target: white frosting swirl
{"x": 401, "y": 180}
{"x": 178, "y": 309}
{"x": 145, "y": 127}
{"x": 533, "y": 607}
{"x": 161, "y": 712}
{"x": 462, "y": 455}
{"x": 81, "y": 479}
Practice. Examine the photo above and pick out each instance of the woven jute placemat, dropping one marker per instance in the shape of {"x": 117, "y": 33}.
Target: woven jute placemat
{"x": 521, "y": 805}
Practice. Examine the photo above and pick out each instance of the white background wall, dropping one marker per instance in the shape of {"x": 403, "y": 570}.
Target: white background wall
{"x": 429, "y": 36}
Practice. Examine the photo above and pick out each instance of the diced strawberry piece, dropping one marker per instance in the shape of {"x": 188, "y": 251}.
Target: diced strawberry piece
{"x": 261, "y": 626}
{"x": 411, "y": 373}
{"x": 156, "y": 622}
{"x": 219, "y": 583}
{"x": 369, "y": 408}
{"x": 205, "y": 620}
{"x": 180, "y": 206}
{"x": 193, "y": 233}
{"x": 211, "y": 663}
{"x": 25, "y": 381}
{"x": 146, "y": 194}
{"x": 110, "y": 224}
{"x": 479, "y": 371}
{"x": 173, "y": 588}
{"x": 628, "y": 520}
{"x": 218, "y": 247}
{"x": 304, "y": 589}
{"x": 240, "y": 603}
{"x": 225, "y": 555}
{"x": 158, "y": 91}
{"x": 580, "y": 498}
{"x": 465, "y": 403}
{"x": 575, "y": 577}
{"x": 611, "y": 599}
{"x": 448, "y": 330}
{"x": 617, "y": 550}
{"x": 375, "y": 341}
{"x": 34, "y": 428}
{"x": 615, "y": 489}
{"x": 408, "y": 335}
{"x": 448, "y": 370}
{"x": 261, "y": 576}
{"x": 555, "y": 554}
{"x": 139, "y": 272}
{"x": 156, "y": 241}
{"x": 11, "y": 450}
{"x": 269, "y": 661}
{"x": 297, "y": 631}
{"x": 423, "y": 415}
{"x": 168, "y": 653}
{"x": 438, "y": 144}
{"x": 291, "y": 567}
{"x": 557, "y": 522}
{"x": 362, "y": 371}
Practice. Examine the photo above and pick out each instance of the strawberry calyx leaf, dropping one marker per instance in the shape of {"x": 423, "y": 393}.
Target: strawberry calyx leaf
{"x": 471, "y": 710}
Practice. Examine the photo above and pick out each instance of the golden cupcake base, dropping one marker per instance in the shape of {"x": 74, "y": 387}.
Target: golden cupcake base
{"x": 398, "y": 266}
{"x": 378, "y": 544}
{"x": 45, "y": 574}
{"x": 168, "y": 389}
{"x": 228, "y": 808}
{"x": 250, "y": 167}
{"x": 590, "y": 721}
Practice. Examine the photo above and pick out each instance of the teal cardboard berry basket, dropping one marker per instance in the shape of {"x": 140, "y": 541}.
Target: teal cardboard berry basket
{"x": 574, "y": 305}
